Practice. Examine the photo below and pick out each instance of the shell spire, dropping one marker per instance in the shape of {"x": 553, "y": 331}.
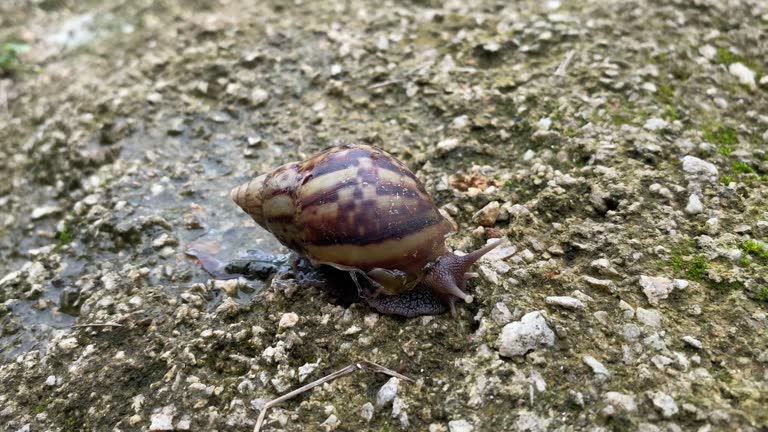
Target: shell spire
{"x": 248, "y": 197}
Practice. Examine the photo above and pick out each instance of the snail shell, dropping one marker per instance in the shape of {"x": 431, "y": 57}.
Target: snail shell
{"x": 359, "y": 209}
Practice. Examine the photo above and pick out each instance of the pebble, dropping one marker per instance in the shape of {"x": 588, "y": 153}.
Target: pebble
{"x": 648, "y": 317}
{"x": 527, "y": 256}
{"x": 387, "y": 392}
{"x": 598, "y": 283}
{"x": 627, "y": 309}
{"x": 601, "y": 317}
{"x": 707, "y": 51}
{"x": 603, "y": 266}
{"x": 624, "y": 401}
{"x": 501, "y": 252}
{"x": 694, "y": 165}
{"x": 500, "y": 313}
{"x": 460, "y": 425}
{"x": 259, "y": 97}
{"x": 67, "y": 344}
{"x": 665, "y": 404}
{"x": 162, "y": 421}
{"x": 488, "y": 214}
{"x": 566, "y": 302}
{"x": 331, "y": 423}
{"x": 654, "y": 124}
{"x": 447, "y": 145}
{"x": 51, "y": 381}
{"x": 44, "y": 211}
{"x": 366, "y": 411}
{"x": 744, "y": 74}
{"x": 630, "y": 332}
{"x": 531, "y": 332}
{"x": 656, "y": 288}
{"x": 692, "y": 341}
{"x": 596, "y": 366}
{"x": 694, "y": 205}
{"x": 288, "y": 320}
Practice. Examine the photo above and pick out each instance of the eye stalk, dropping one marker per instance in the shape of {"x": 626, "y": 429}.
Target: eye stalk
{"x": 447, "y": 279}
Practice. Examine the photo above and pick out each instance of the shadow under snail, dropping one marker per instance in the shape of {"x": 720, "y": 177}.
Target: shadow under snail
{"x": 355, "y": 215}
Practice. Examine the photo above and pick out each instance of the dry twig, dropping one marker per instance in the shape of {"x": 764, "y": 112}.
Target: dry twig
{"x": 564, "y": 65}
{"x": 108, "y": 324}
{"x": 360, "y": 365}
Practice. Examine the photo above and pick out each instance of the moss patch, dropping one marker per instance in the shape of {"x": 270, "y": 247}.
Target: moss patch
{"x": 724, "y": 137}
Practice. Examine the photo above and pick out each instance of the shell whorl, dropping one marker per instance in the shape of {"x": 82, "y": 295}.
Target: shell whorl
{"x": 351, "y": 207}
{"x": 248, "y": 197}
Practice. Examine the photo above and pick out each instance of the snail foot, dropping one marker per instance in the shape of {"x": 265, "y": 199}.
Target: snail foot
{"x": 419, "y": 301}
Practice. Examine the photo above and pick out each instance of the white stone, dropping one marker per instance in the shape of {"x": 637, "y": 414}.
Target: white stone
{"x": 649, "y": 317}
{"x": 656, "y": 288}
{"x": 366, "y": 411}
{"x": 460, "y": 122}
{"x": 665, "y": 404}
{"x": 621, "y": 400}
{"x": 653, "y": 124}
{"x": 184, "y": 424}
{"x": 331, "y": 423}
{"x": 694, "y": 205}
{"x": 530, "y": 333}
{"x": 566, "y": 302}
{"x": 744, "y": 74}
{"x": 598, "y": 283}
{"x": 306, "y": 370}
{"x": 596, "y": 366}
{"x": 67, "y": 344}
{"x": 51, "y": 381}
{"x": 544, "y": 123}
{"x": 288, "y": 320}
{"x": 460, "y": 425}
{"x": 162, "y": 421}
{"x": 694, "y": 165}
{"x": 41, "y": 212}
{"x": 447, "y": 145}
{"x": 707, "y": 51}
{"x": 500, "y": 253}
{"x": 382, "y": 43}
{"x": 387, "y": 392}
{"x": 692, "y": 341}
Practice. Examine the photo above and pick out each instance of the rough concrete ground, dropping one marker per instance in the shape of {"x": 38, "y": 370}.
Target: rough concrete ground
{"x": 620, "y": 147}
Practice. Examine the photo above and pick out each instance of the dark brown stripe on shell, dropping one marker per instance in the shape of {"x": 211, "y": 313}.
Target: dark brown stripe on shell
{"x": 377, "y": 225}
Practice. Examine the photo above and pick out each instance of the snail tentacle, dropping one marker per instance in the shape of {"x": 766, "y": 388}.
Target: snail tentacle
{"x": 447, "y": 276}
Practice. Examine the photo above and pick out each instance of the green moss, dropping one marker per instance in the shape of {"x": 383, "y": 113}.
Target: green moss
{"x": 725, "y": 56}
{"x": 724, "y": 137}
{"x": 665, "y": 91}
{"x": 755, "y": 250}
{"x": 762, "y": 294}
{"x": 726, "y": 179}
{"x": 619, "y": 119}
{"x": 9, "y": 56}
{"x": 742, "y": 167}
{"x": 671, "y": 113}
{"x": 697, "y": 268}
{"x": 724, "y": 287}
{"x": 65, "y": 236}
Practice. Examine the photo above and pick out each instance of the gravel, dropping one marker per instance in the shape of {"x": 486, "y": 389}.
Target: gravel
{"x": 625, "y": 175}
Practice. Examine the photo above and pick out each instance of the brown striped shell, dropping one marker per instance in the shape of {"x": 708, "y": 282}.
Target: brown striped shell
{"x": 355, "y": 208}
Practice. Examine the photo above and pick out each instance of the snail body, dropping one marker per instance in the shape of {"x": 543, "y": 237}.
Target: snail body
{"x": 360, "y": 210}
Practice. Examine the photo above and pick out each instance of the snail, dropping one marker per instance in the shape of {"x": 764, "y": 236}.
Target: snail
{"x": 359, "y": 210}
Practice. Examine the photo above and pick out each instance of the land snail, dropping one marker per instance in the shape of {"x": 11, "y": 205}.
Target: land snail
{"x": 358, "y": 209}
